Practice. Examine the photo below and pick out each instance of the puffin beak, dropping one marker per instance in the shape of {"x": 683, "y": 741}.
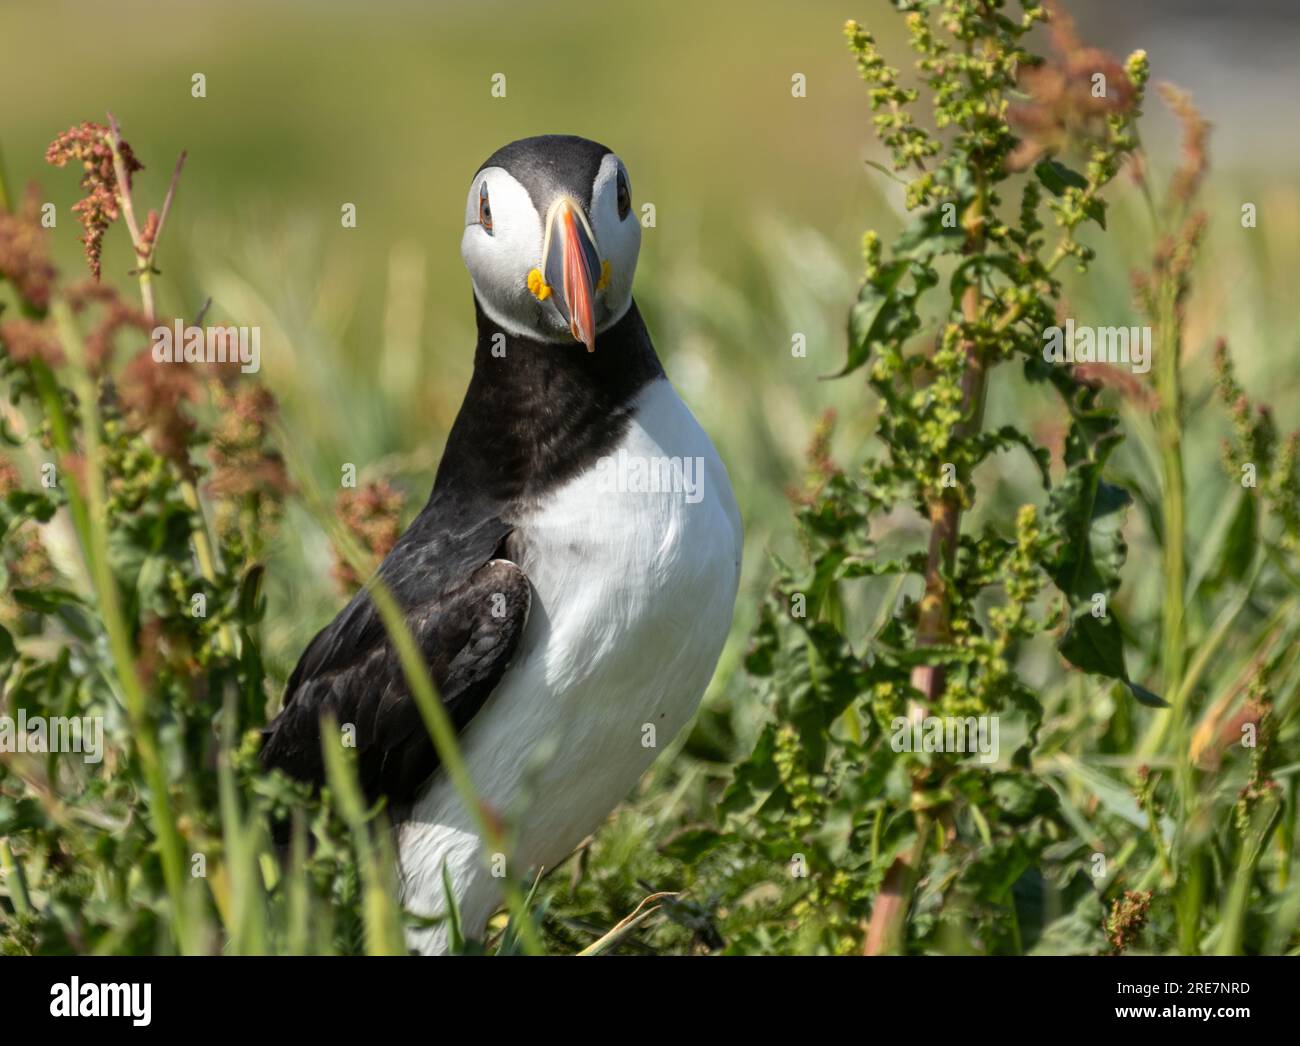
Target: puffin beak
{"x": 571, "y": 265}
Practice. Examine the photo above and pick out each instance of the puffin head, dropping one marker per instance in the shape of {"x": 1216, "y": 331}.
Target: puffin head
{"x": 550, "y": 239}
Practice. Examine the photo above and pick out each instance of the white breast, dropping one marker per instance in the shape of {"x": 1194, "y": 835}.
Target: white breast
{"x": 634, "y": 566}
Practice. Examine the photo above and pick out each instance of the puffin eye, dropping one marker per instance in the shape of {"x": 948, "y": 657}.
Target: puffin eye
{"x": 484, "y": 209}
{"x": 624, "y": 197}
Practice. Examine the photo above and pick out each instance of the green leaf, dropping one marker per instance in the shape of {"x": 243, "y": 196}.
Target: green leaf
{"x": 20, "y": 505}
{"x": 764, "y": 645}
{"x": 45, "y": 600}
{"x": 928, "y": 234}
{"x": 1057, "y": 177}
{"x": 1241, "y": 542}
{"x": 1087, "y": 515}
{"x": 1009, "y": 436}
{"x": 1145, "y": 696}
{"x": 876, "y": 305}
{"x": 754, "y": 779}
{"x": 455, "y": 936}
{"x": 7, "y": 434}
{"x": 151, "y": 583}
{"x": 511, "y": 940}
{"x": 252, "y": 605}
{"x": 691, "y": 843}
{"x": 1094, "y": 644}
{"x": 836, "y": 832}
{"x": 1021, "y": 796}
{"x": 18, "y": 814}
{"x": 980, "y": 266}
{"x": 886, "y": 171}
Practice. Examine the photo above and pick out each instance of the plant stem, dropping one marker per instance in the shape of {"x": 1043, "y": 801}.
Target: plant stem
{"x": 1169, "y": 423}
{"x": 382, "y": 917}
{"x": 889, "y": 914}
{"x": 1157, "y": 838}
{"x": 17, "y": 880}
{"x": 945, "y": 513}
{"x": 144, "y": 252}
{"x": 93, "y": 532}
{"x": 51, "y": 397}
{"x": 1169, "y": 420}
{"x": 1253, "y": 842}
{"x": 205, "y": 555}
{"x": 127, "y": 206}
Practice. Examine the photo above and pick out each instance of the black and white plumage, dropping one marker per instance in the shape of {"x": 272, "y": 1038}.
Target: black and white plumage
{"x": 571, "y": 624}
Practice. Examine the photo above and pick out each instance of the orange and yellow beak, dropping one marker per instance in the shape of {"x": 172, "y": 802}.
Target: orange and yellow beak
{"x": 571, "y": 272}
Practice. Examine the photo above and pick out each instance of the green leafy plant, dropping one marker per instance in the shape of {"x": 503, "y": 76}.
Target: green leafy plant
{"x": 168, "y": 477}
{"x": 886, "y": 849}
{"x": 135, "y": 603}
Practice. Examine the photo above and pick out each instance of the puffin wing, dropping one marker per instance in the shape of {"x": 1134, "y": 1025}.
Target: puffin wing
{"x": 467, "y": 631}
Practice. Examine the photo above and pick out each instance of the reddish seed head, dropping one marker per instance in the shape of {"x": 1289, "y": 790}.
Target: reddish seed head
{"x": 87, "y": 144}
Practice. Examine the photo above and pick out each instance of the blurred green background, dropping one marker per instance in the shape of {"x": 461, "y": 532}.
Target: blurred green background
{"x": 761, "y": 200}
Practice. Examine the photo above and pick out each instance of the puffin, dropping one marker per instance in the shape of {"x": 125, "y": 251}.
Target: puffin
{"x": 570, "y": 581}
